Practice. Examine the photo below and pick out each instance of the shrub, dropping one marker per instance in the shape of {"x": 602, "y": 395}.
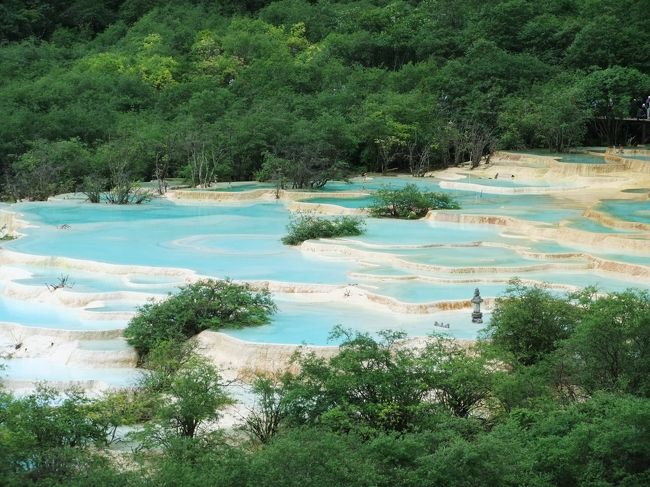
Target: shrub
{"x": 204, "y": 305}
{"x": 305, "y": 226}
{"x": 409, "y": 202}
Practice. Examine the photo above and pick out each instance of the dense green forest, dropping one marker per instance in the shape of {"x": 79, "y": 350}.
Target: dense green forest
{"x": 95, "y": 93}
{"x": 557, "y": 395}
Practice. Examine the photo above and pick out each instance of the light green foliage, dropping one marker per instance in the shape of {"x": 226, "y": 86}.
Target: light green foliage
{"x": 409, "y": 202}
{"x": 181, "y": 390}
{"x": 380, "y": 385}
{"x": 45, "y": 436}
{"x": 194, "y": 396}
{"x": 306, "y": 226}
{"x": 327, "y": 85}
{"x": 530, "y": 322}
{"x": 204, "y": 305}
{"x": 610, "y": 349}
{"x": 264, "y": 419}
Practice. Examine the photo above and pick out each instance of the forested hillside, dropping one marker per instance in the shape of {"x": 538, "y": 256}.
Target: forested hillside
{"x": 90, "y": 89}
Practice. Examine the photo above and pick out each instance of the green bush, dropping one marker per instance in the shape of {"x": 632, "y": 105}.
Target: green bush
{"x": 305, "y": 226}
{"x": 409, "y": 202}
{"x": 204, "y": 305}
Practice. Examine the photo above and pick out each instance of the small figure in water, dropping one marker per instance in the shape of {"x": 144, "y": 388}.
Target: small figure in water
{"x": 496, "y": 176}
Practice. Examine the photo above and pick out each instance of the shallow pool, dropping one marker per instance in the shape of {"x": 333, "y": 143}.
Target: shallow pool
{"x": 242, "y": 241}
{"x": 628, "y": 210}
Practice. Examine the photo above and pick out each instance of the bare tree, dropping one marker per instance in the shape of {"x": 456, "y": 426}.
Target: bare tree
{"x": 263, "y": 420}
{"x": 204, "y": 158}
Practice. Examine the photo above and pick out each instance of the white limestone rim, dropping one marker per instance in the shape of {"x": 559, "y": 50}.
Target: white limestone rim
{"x": 613, "y": 222}
{"x": 636, "y": 243}
{"x": 336, "y": 292}
{"x": 475, "y": 280}
{"x": 244, "y": 359}
{"x": 323, "y": 208}
{"x": 258, "y": 195}
{"x": 532, "y": 190}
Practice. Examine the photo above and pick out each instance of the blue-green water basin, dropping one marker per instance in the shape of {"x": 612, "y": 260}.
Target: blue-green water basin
{"x": 582, "y": 159}
{"x": 36, "y": 369}
{"x": 242, "y": 241}
{"x": 307, "y": 323}
{"x": 628, "y": 210}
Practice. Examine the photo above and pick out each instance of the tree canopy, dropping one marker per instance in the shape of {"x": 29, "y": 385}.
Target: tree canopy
{"x": 217, "y": 89}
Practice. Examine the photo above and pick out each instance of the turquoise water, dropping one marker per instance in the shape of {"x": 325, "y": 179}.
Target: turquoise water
{"x": 242, "y": 241}
{"x": 36, "y": 369}
{"x": 239, "y": 241}
{"x": 420, "y": 291}
{"x": 593, "y": 226}
{"x": 241, "y": 186}
{"x": 539, "y": 208}
{"x": 82, "y": 282}
{"x": 582, "y": 159}
{"x": 363, "y": 202}
{"x": 638, "y": 158}
{"x": 306, "y": 323}
{"x": 571, "y": 157}
{"x": 580, "y": 156}
{"x": 48, "y": 315}
{"x": 632, "y": 211}
{"x": 503, "y": 182}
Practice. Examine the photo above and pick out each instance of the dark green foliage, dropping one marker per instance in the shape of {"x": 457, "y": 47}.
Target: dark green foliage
{"x": 315, "y": 458}
{"x": 382, "y": 385}
{"x": 610, "y": 349}
{"x": 571, "y": 411}
{"x": 409, "y": 202}
{"x": 204, "y": 305}
{"x": 328, "y": 87}
{"x": 306, "y": 226}
{"x": 45, "y": 438}
{"x": 264, "y": 419}
{"x": 530, "y": 322}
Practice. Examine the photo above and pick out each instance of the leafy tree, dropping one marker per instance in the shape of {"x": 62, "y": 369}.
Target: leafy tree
{"x": 49, "y": 168}
{"x": 409, "y": 202}
{"x": 610, "y": 349}
{"x": 45, "y": 437}
{"x": 263, "y": 421}
{"x": 204, "y": 305}
{"x": 379, "y": 385}
{"x": 305, "y": 226}
{"x": 528, "y": 323}
{"x": 313, "y": 457}
{"x": 610, "y": 94}
{"x": 193, "y": 396}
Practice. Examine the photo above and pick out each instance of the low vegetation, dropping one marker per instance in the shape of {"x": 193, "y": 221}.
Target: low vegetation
{"x": 557, "y": 393}
{"x": 409, "y": 202}
{"x": 306, "y": 226}
{"x": 204, "y": 305}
